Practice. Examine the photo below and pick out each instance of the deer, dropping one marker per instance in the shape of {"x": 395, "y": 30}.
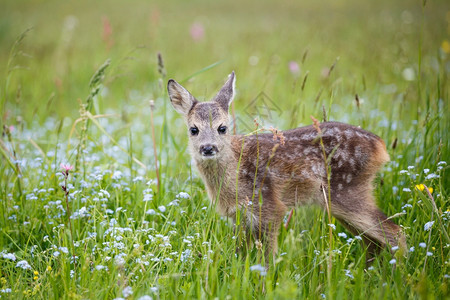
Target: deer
{"x": 264, "y": 176}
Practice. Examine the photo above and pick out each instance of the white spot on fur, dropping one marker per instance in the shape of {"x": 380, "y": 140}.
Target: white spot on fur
{"x": 352, "y": 162}
{"x": 358, "y": 152}
{"x": 349, "y": 133}
{"x": 308, "y": 136}
{"x": 318, "y": 170}
{"x": 307, "y": 150}
{"x": 349, "y": 178}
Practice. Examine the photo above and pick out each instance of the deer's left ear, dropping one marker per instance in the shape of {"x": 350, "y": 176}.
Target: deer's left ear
{"x": 180, "y": 98}
{"x": 226, "y": 94}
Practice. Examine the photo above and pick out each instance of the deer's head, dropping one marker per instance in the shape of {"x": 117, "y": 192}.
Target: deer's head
{"x": 208, "y": 122}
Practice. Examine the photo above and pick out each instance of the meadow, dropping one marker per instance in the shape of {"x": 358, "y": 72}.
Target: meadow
{"x": 99, "y": 198}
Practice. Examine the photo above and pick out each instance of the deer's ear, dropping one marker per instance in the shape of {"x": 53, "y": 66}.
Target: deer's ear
{"x": 180, "y": 98}
{"x": 226, "y": 94}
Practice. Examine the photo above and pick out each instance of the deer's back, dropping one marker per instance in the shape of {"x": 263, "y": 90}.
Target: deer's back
{"x": 356, "y": 155}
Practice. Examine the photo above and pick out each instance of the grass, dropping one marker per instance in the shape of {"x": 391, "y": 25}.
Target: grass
{"x": 131, "y": 238}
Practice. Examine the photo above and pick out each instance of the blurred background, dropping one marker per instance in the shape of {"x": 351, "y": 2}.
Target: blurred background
{"x": 272, "y": 45}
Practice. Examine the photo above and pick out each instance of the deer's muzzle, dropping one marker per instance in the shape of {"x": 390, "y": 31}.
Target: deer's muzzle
{"x": 208, "y": 150}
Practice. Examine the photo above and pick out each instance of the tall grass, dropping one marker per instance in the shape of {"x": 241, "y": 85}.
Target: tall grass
{"x": 131, "y": 238}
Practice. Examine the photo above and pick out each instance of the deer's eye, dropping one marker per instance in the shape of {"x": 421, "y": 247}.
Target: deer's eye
{"x": 222, "y": 129}
{"x": 193, "y": 130}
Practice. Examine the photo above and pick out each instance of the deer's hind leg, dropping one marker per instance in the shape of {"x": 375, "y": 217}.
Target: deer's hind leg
{"x": 358, "y": 212}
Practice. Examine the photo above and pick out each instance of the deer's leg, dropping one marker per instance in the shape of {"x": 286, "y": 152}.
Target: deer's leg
{"x": 360, "y": 214}
{"x": 266, "y": 236}
{"x": 266, "y": 227}
{"x": 372, "y": 246}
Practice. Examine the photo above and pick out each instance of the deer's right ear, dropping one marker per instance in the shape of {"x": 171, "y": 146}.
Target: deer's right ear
{"x": 180, "y": 98}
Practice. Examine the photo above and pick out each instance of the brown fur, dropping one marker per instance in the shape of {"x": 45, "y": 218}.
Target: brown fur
{"x": 287, "y": 175}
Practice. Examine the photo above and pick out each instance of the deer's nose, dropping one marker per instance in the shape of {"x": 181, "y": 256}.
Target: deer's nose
{"x": 208, "y": 150}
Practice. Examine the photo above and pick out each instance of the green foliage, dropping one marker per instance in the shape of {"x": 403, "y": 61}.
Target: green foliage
{"x": 293, "y": 59}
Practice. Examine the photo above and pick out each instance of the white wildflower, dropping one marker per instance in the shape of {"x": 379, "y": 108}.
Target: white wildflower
{"x": 174, "y": 203}
{"x": 117, "y": 175}
{"x": 150, "y": 212}
{"x": 183, "y": 195}
{"x": 151, "y": 181}
{"x": 428, "y": 225}
{"x": 262, "y": 270}
{"x": 127, "y": 292}
{"x": 147, "y": 197}
{"x": 105, "y": 193}
{"x": 394, "y": 189}
{"x": 342, "y": 235}
{"x": 10, "y": 256}
{"x": 432, "y": 176}
{"x": 101, "y": 267}
{"x": 23, "y": 264}
{"x": 348, "y": 273}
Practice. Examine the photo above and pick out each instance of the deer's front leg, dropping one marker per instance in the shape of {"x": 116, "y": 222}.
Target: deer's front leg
{"x": 266, "y": 227}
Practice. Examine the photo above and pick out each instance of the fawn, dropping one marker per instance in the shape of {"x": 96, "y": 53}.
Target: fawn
{"x": 240, "y": 171}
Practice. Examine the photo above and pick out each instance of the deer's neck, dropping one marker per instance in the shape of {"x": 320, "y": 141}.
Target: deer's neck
{"x": 219, "y": 176}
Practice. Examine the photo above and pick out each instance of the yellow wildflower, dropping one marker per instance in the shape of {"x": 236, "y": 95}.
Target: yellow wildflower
{"x": 445, "y": 46}
{"x": 36, "y": 273}
{"x": 421, "y": 188}
{"x": 35, "y": 277}
{"x": 49, "y": 268}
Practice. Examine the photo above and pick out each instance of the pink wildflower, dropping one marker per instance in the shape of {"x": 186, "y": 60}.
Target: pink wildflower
{"x": 66, "y": 167}
{"x": 294, "y": 68}
{"x": 197, "y": 32}
{"x": 107, "y": 33}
